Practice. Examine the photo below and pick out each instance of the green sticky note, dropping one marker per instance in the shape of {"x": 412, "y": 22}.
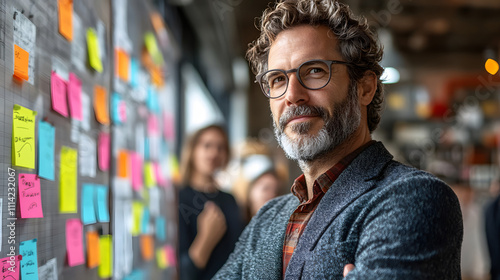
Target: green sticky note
{"x": 152, "y": 47}
{"x": 137, "y": 209}
{"x": 23, "y": 137}
{"x": 68, "y": 180}
{"x": 94, "y": 52}
{"x": 106, "y": 256}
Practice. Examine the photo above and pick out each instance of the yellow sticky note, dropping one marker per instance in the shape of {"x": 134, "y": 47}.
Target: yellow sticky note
{"x": 152, "y": 47}
{"x": 101, "y": 105}
{"x": 94, "y": 52}
{"x": 66, "y": 19}
{"x": 106, "y": 255}
{"x": 149, "y": 175}
{"x": 161, "y": 258}
{"x": 175, "y": 174}
{"x": 122, "y": 64}
{"x": 68, "y": 180}
{"x": 137, "y": 209}
{"x": 23, "y": 137}
{"x": 21, "y": 60}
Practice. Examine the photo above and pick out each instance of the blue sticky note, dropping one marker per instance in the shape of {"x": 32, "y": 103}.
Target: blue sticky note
{"x": 146, "y": 148}
{"x": 88, "y": 206}
{"x": 136, "y": 274}
{"x": 145, "y": 221}
{"x": 116, "y": 101}
{"x": 152, "y": 101}
{"x": 160, "y": 228}
{"x": 102, "y": 203}
{"x": 134, "y": 72}
{"x": 29, "y": 262}
{"x": 46, "y": 138}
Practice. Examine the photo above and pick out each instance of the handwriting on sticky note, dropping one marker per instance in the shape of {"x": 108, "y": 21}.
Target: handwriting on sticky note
{"x": 93, "y": 48}
{"x": 29, "y": 261}
{"x": 105, "y": 252}
{"x": 10, "y": 267}
{"x": 93, "y": 259}
{"x": 74, "y": 242}
{"x": 46, "y": 139}
{"x": 75, "y": 96}
{"x": 23, "y": 137}
{"x": 30, "y": 197}
{"x": 66, "y": 18}
{"x": 68, "y": 180}
{"x": 21, "y": 63}
{"x": 101, "y": 105}
{"x": 58, "y": 88}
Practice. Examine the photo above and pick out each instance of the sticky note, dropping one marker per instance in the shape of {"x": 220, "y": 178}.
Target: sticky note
{"x": 75, "y": 96}
{"x": 106, "y": 255}
{"x": 93, "y": 259}
{"x": 10, "y": 267}
{"x": 101, "y": 104}
{"x": 156, "y": 76}
{"x": 66, "y": 19}
{"x": 152, "y": 47}
{"x": 134, "y": 72}
{"x": 74, "y": 242}
{"x": 58, "y": 88}
{"x": 23, "y": 137}
{"x": 152, "y": 101}
{"x": 87, "y": 204}
{"x": 103, "y": 151}
{"x": 174, "y": 167}
{"x": 30, "y": 196}
{"x": 123, "y": 164}
{"x": 29, "y": 260}
{"x": 21, "y": 63}
{"x": 160, "y": 228}
{"x": 168, "y": 127}
{"x": 93, "y": 48}
{"x": 86, "y": 114}
{"x": 153, "y": 128}
{"x": 137, "y": 209}
{"x": 68, "y": 180}
{"x": 145, "y": 221}
{"x": 137, "y": 181}
{"x": 48, "y": 271}
{"x": 149, "y": 175}
{"x": 160, "y": 179}
{"x": 123, "y": 64}
{"x": 147, "y": 247}
{"x": 119, "y": 109}
{"x": 102, "y": 203}
{"x": 136, "y": 274}
{"x": 171, "y": 256}
{"x": 88, "y": 156}
{"x": 161, "y": 258}
{"x": 46, "y": 138}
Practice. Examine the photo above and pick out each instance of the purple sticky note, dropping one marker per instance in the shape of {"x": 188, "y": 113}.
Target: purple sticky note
{"x": 74, "y": 242}
{"x": 75, "y": 97}
{"x": 30, "y": 199}
{"x": 103, "y": 151}
{"x": 58, "y": 88}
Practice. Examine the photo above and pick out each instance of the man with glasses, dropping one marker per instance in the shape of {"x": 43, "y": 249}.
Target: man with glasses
{"x": 355, "y": 212}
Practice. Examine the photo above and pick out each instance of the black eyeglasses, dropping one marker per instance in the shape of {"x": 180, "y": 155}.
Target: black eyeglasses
{"x": 312, "y": 74}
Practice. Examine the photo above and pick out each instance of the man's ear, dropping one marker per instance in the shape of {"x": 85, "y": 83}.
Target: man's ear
{"x": 367, "y": 87}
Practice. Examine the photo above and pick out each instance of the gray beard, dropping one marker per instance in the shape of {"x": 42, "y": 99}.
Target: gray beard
{"x": 337, "y": 129}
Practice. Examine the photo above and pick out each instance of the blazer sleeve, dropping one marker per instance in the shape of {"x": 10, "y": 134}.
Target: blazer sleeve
{"x": 414, "y": 230}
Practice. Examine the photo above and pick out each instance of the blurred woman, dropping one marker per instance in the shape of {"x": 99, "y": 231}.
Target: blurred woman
{"x": 209, "y": 220}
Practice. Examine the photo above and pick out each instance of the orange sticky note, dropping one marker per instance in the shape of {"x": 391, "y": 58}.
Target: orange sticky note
{"x": 66, "y": 19}
{"x": 21, "y": 58}
{"x": 93, "y": 259}
{"x": 101, "y": 105}
{"x": 123, "y": 64}
{"x": 123, "y": 164}
{"x": 156, "y": 76}
{"x": 147, "y": 247}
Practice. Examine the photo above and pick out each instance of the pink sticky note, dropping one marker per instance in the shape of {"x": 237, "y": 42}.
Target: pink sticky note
{"x": 10, "y": 267}
{"x": 152, "y": 125}
{"x": 122, "y": 111}
{"x": 30, "y": 196}
{"x": 168, "y": 127}
{"x": 103, "y": 151}
{"x": 160, "y": 180}
{"x": 137, "y": 179}
{"x": 74, "y": 242}
{"x": 75, "y": 97}
{"x": 170, "y": 252}
{"x": 58, "y": 94}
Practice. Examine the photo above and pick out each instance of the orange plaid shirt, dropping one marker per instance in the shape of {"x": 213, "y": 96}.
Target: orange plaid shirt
{"x": 298, "y": 220}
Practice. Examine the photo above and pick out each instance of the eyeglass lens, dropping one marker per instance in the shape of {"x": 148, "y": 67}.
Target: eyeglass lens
{"x": 312, "y": 75}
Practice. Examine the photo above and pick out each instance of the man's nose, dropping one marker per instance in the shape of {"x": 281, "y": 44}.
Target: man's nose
{"x": 296, "y": 94}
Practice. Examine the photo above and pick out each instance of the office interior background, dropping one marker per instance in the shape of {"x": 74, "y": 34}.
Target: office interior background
{"x": 151, "y": 72}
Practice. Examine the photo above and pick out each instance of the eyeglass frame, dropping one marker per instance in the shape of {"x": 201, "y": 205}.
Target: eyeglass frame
{"x": 329, "y": 63}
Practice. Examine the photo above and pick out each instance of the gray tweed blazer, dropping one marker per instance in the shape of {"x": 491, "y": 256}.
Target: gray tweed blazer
{"x": 390, "y": 220}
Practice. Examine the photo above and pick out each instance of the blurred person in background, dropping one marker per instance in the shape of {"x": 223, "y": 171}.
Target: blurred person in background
{"x": 492, "y": 226}
{"x": 354, "y": 212}
{"x": 209, "y": 220}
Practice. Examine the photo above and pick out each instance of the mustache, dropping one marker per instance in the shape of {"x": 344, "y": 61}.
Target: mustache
{"x": 301, "y": 110}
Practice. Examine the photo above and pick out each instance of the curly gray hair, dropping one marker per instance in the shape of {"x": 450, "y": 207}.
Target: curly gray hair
{"x": 357, "y": 43}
